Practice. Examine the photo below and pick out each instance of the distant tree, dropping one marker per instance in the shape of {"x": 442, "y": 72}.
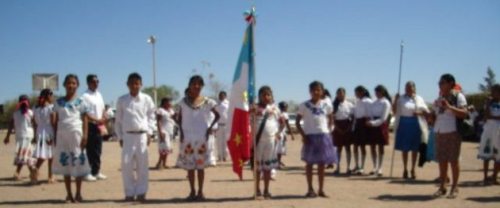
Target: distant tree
{"x": 162, "y": 91}
{"x": 489, "y": 80}
{"x": 214, "y": 86}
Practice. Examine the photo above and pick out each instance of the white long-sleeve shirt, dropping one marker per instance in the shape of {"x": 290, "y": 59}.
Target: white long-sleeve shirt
{"x": 379, "y": 111}
{"x": 362, "y": 108}
{"x": 134, "y": 114}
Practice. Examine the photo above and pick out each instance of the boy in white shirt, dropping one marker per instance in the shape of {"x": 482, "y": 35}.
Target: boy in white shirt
{"x": 135, "y": 114}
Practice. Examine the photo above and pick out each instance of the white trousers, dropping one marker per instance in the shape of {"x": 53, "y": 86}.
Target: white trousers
{"x": 221, "y": 142}
{"x": 135, "y": 173}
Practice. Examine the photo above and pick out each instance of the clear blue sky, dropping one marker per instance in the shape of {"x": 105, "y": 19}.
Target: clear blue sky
{"x": 342, "y": 43}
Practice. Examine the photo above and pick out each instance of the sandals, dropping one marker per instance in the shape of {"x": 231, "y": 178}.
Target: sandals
{"x": 267, "y": 195}
{"x": 405, "y": 174}
{"x": 311, "y": 194}
{"x": 453, "y": 193}
{"x": 440, "y": 192}
{"x": 78, "y": 198}
{"x": 413, "y": 176}
{"x": 191, "y": 197}
{"x": 322, "y": 194}
{"x": 200, "y": 197}
{"x": 69, "y": 199}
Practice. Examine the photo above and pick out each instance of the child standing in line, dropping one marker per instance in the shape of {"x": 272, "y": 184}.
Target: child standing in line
{"x": 361, "y": 130}
{"x": 268, "y": 119}
{"x": 44, "y": 132}
{"x": 318, "y": 148}
{"x": 70, "y": 124}
{"x": 22, "y": 123}
{"x": 380, "y": 111}
{"x": 489, "y": 148}
{"x": 342, "y": 135}
{"x": 281, "y": 145}
{"x": 165, "y": 125}
{"x": 134, "y": 124}
{"x": 197, "y": 117}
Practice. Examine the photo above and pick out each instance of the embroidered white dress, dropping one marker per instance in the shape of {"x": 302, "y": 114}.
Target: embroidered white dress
{"x": 194, "y": 152}
{"x": 44, "y": 132}
{"x": 69, "y": 158}
{"x": 23, "y": 127}
{"x": 167, "y": 128}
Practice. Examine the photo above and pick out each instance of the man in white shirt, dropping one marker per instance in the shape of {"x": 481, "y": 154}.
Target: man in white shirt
{"x": 134, "y": 124}
{"x": 221, "y": 133}
{"x": 96, "y": 128}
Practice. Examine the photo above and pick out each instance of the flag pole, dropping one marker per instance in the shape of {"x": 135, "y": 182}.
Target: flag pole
{"x": 399, "y": 90}
{"x": 252, "y": 115}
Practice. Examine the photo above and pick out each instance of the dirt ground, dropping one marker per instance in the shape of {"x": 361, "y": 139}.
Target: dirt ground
{"x": 168, "y": 188}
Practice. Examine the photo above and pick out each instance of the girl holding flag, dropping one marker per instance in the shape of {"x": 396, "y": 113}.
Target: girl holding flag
{"x": 268, "y": 119}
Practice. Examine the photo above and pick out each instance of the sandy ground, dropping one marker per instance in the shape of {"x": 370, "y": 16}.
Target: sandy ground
{"x": 169, "y": 187}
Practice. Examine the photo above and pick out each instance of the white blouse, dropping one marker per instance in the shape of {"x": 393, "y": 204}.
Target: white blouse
{"x": 315, "y": 116}
{"x": 408, "y": 105}
{"x": 344, "y": 111}
{"x": 271, "y": 127}
{"x": 196, "y": 120}
{"x": 167, "y": 122}
{"x": 379, "y": 111}
{"x": 42, "y": 119}
{"x": 446, "y": 120}
{"x": 69, "y": 114}
{"x": 362, "y": 108}
{"x": 23, "y": 125}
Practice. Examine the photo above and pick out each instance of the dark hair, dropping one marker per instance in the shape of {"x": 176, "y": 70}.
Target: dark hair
{"x": 362, "y": 90}
{"x": 222, "y": 93}
{"x": 315, "y": 84}
{"x": 383, "y": 90}
{"x": 326, "y": 93}
{"x": 449, "y": 78}
{"x": 165, "y": 100}
{"x": 336, "y": 102}
{"x": 24, "y": 103}
{"x": 23, "y": 97}
{"x": 196, "y": 78}
{"x": 44, "y": 95}
{"x": 134, "y": 76}
{"x": 90, "y": 77}
{"x": 264, "y": 89}
{"x": 186, "y": 91}
{"x": 282, "y": 105}
{"x": 71, "y": 76}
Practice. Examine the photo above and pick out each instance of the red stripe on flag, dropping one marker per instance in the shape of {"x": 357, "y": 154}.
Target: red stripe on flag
{"x": 239, "y": 142}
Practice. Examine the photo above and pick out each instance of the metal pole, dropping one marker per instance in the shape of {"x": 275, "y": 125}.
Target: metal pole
{"x": 152, "y": 40}
{"x": 252, "y": 117}
{"x": 399, "y": 89}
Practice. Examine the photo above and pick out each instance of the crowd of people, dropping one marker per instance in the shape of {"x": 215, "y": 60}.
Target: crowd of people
{"x": 69, "y": 134}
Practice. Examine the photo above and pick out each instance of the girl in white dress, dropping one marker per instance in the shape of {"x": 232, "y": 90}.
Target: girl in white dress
{"x": 281, "y": 145}
{"x": 44, "y": 132}
{"x": 196, "y": 126}
{"x": 489, "y": 147}
{"x": 165, "y": 125}
{"x": 266, "y": 156}
{"x": 22, "y": 122}
{"x": 70, "y": 124}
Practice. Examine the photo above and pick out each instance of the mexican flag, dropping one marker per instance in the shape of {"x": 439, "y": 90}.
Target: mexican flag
{"x": 242, "y": 95}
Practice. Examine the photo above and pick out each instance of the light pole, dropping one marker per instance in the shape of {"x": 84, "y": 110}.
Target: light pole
{"x": 152, "y": 41}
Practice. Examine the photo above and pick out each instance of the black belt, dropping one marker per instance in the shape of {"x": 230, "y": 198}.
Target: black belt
{"x": 136, "y": 132}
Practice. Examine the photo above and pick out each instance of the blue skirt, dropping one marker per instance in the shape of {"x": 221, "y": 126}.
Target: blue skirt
{"x": 319, "y": 149}
{"x": 408, "y": 135}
